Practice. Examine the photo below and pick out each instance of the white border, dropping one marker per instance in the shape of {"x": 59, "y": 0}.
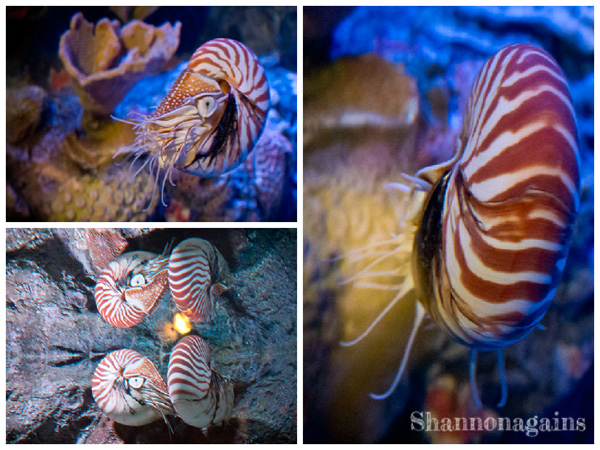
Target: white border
{"x": 298, "y": 225}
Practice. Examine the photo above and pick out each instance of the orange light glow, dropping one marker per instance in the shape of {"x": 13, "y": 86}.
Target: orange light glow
{"x": 181, "y": 323}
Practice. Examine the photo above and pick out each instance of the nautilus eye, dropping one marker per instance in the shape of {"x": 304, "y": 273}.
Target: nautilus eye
{"x": 212, "y": 117}
{"x": 124, "y": 300}
{"x": 196, "y": 277}
{"x": 201, "y": 396}
{"x": 206, "y": 106}
{"x": 136, "y": 382}
{"x": 129, "y": 389}
{"x": 138, "y": 280}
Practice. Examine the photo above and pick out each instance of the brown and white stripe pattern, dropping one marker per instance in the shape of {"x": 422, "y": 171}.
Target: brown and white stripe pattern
{"x": 509, "y": 204}
{"x": 212, "y": 117}
{"x": 130, "y": 287}
{"x": 196, "y": 273}
{"x": 243, "y": 78}
{"x": 201, "y": 396}
{"x": 129, "y": 389}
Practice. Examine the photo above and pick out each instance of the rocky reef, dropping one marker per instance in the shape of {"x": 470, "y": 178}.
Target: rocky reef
{"x": 348, "y": 205}
{"x": 56, "y": 337}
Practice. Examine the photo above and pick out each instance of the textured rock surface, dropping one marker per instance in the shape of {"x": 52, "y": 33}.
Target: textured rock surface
{"x": 56, "y": 338}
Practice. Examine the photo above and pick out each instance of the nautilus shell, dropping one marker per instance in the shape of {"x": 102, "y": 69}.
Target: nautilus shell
{"x": 211, "y": 118}
{"x": 129, "y": 389}
{"x": 495, "y": 234}
{"x": 130, "y": 287}
{"x": 200, "y": 395}
{"x": 495, "y": 224}
{"x": 196, "y": 277}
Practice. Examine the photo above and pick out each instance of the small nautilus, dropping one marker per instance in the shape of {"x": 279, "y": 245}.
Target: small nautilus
{"x": 493, "y": 230}
{"x": 200, "y": 395}
{"x": 129, "y": 389}
{"x": 130, "y": 287}
{"x": 197, "y": 272}
{"x": 211, "y": 118}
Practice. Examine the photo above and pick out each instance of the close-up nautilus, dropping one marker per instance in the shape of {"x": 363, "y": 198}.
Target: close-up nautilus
{"x": 129, "y": 389}
{"x": 494, "y": 229}
{"x": 197, "y": 273}
{"x": 212, "y": 117}
{"x": 130, "y": 287}
{"x": 448, "y": 207}
{"x": 201, "y": 396}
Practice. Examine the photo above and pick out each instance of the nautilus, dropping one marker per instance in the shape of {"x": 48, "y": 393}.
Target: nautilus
{"x": 197, "y": 272}
{"x": 200, "y": 395}
{"x": 493, "y": 228}
{"x": 212, "y": 117}
{"x": 130, "y": 287}
{"x": 129, "y": 389}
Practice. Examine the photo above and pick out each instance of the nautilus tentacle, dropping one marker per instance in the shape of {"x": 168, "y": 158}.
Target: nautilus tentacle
{"x": 130, "y": 287}
{"x": 197, "y": 274}
{"x": 211, "y": 118}
{"x": 129, "y": 389}
{"x": 200, "y": 395}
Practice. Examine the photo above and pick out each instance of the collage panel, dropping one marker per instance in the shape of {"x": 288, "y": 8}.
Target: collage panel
{"x": 119, "y": 114}
{"x": 150, "y": 335}
{"x": 448, "y": 240}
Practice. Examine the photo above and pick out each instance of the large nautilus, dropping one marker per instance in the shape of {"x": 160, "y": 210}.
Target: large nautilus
{"x": 197, "y": 272}
{"x": 494, "y": 229}
{"x": 130, "y": 287}
{"x": 129, "y": 389}
{"x": 200, "y": 395}
{"x": 211, "y": 118}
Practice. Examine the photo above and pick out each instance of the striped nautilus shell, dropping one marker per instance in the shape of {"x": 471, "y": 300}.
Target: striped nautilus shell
{"x": 197, "y": 272}
{"x": 129, "y": 389}
{"x": 211, "y": 118}
{"x": 494, "y": 229}
{"x": 200, "y": 395}
{"x": 130, "y": 287}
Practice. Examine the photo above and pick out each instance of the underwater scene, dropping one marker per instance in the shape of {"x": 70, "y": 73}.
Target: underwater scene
{"x": 448, "y": 224}
{"x": 151, "y": 114}
{"x": 151, "y": 336}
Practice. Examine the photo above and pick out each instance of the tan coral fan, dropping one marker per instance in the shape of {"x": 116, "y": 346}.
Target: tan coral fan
{"x": 104, "y": 62}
